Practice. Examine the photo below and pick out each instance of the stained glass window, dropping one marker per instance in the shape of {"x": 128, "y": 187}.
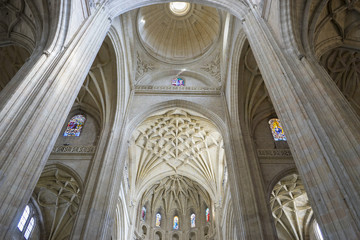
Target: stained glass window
{"x": 23, "y": 218}
{"x": 158, "y": 220}
{"x": 178, "y": 82}
{"x": 74, "y": 126}
{"x": 192, "y": 220}
{"x": 143, "y": 213}
{"x": 29, "y": 228}
{"x": 277, "y": 130}
{"x": 207, "y": 214}
{"x": 176, "y": 223}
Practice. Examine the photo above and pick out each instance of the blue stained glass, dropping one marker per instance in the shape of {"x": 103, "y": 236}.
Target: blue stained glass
{"x": 74, "y": 126}
{"x": 207, "y": 212}
{"x": 178, "y": 82}
{"x": 277, "y": 130}
{"x": 192, "y": 219}
{"x": 176, "y": 223}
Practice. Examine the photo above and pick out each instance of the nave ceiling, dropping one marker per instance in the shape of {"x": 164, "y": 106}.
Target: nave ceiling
{"x": 179, "y": 142}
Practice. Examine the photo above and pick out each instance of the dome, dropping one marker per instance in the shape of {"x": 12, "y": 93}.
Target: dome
{"x": 178, "y": 32}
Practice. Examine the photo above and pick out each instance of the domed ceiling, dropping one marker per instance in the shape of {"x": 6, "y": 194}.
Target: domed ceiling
{"x": 178, "y": 33}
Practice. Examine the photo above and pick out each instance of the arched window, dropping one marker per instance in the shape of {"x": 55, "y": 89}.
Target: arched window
{"x": 29, "y": 228}
{"x": 158, "y": 236}
{"x": 24, "y": 218}
{"x": 75, "y": 125}
{"x": 176, "y": 223}
{"x": 27, "y": 222}
{"x": 192, "y": 220}
{"x": 277, "y": 130}
{"x": 158, "y": 220}
{"x": 143, "y": 213}
{"x": 207, "y": 214}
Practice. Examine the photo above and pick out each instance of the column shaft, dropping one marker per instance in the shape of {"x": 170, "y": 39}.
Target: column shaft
{"x": 247, "y": 193}
{"x": 32, "y": 116}
{"x": 322, "y": 129}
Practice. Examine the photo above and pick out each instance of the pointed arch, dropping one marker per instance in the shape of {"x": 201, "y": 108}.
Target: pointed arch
{"x": 58, "y": 194}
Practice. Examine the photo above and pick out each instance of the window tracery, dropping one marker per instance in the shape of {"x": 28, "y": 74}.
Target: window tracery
{"x": 29, "y": 228}
{"x": 24, "y": 218}
{"x": 27, "y": 222}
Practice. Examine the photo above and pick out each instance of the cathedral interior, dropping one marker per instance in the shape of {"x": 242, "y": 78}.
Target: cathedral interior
{"x": 194, "y": 120}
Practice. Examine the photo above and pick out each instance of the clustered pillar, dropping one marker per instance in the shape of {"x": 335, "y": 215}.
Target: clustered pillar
{"x": 323, "y": 131}
{"x": 31, "y": 118}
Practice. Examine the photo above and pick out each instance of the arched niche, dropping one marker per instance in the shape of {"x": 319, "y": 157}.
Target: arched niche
{"x": 175, "y": 236}
{"x": 144, "y": 230}
{"x": 192, "y": 236}
{"x": 158, "y": 236}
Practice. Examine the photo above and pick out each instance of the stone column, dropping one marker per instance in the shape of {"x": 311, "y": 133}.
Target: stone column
{"x": 250, "y": 213}
{"x": 32, "y": 115}
{"x": 323, "y": 131}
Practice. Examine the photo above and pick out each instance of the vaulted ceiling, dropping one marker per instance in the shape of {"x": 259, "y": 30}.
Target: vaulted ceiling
{"x": 177, "y": 142}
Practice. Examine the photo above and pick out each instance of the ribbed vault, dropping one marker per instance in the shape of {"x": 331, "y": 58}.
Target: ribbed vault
{"x": 177, "y": 142}
{"x": 291, "y": 208}
{"x": 177, "y": 192}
